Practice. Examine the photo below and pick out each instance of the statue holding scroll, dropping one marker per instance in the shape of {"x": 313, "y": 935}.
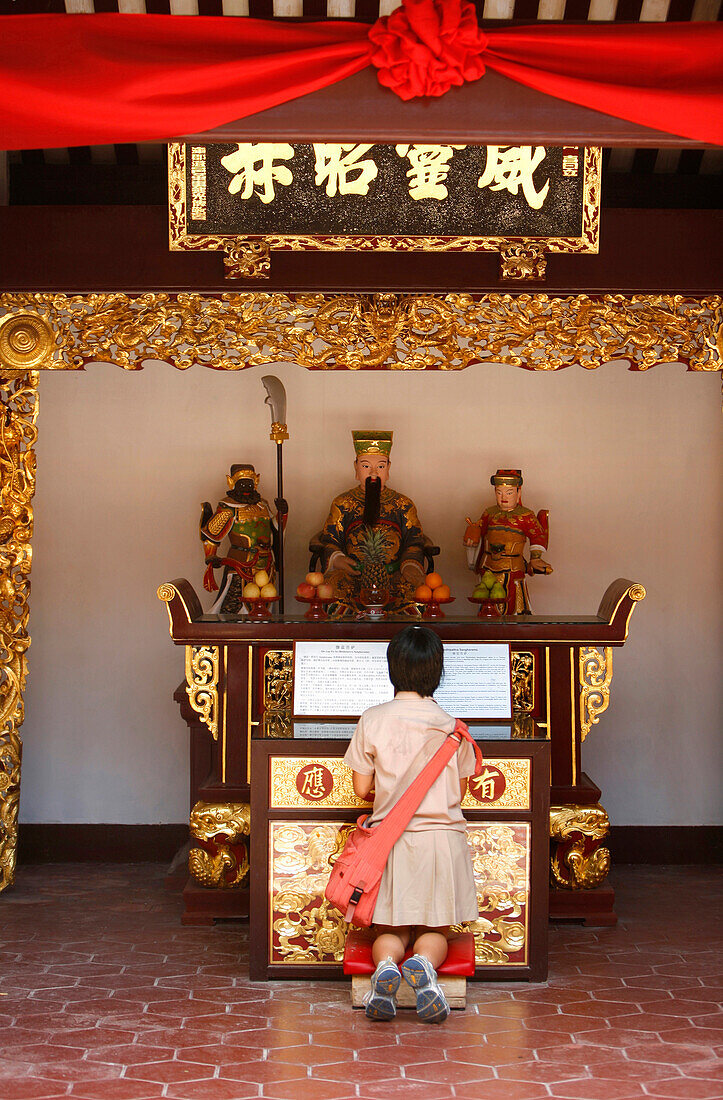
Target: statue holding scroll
{"x": 372, "y": 545}
{"x": 496, "y": 541}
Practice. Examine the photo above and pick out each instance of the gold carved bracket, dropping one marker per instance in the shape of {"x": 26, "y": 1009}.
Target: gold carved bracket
{"x": 578, "y": 861}
{"x": 596, "y": 673}
{"x": 247, "y": 259}
{"x": 221, "y": 858}
{"x": 523, "y": 262}
{"x": 202, "y": 664}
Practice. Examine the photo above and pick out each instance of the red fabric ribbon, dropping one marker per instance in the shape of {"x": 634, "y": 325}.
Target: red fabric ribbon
{"x": 93, "y": 79}
{"x": 427, "y": 47}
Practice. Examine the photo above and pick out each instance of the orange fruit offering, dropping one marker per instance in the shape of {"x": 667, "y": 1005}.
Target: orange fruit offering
{"x": 442, "y": 592}
{"x": 433, "y": 580}
{"x": 423, "y": 593}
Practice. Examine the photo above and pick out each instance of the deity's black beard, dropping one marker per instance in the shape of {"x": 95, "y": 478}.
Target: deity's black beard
{"x": 245, "y": 495}
{"x": 372, "y": 499}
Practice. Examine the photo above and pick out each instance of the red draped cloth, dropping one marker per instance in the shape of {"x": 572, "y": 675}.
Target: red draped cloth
{"x": 93, "y": 79}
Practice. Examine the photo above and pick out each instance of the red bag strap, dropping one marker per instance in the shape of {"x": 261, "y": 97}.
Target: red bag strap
{"x": 388, "y": 831}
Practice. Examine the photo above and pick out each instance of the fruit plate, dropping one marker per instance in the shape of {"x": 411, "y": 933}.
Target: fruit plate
{"x": 317, "y": 607}
{"x": 259, "y": 607}
{"x": 431, "y": 609}
{"x": 489, "y": 609}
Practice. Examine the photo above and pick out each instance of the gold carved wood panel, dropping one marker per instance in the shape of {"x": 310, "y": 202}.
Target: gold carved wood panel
{"x": 234, "y": 331}
{"x": 304, "y": 928}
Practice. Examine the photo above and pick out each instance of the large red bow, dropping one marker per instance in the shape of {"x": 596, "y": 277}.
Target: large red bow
{"x": 426, "y": 47}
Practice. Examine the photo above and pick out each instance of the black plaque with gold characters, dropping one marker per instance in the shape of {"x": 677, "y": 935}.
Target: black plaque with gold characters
{"x": 383, "y": 197}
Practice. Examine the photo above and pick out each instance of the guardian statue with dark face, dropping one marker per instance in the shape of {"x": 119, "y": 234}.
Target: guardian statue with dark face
{"x": 246, "y": 520}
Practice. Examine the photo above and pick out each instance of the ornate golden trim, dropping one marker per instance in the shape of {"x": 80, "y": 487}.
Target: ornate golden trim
{"x": 249, "y": 256}
{"x": 596, "y": 673}
{"x": 523, "y": 680}
{"x": 578, "y": 861}
{"x": 223, "y": 862}
{"x": 358, "y": 331}
{"x": 202, "y": 664}
{"x": 18, "y": 436}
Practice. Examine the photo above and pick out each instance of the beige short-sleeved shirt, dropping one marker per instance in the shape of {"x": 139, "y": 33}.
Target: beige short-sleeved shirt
{"x": 387, "y": 741}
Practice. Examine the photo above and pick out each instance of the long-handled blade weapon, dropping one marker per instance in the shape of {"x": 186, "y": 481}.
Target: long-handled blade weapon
{"x": 276, "y": 400}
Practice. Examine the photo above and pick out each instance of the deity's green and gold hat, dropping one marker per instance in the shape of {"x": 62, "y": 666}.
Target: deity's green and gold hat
{"x": 507, "y": 477}
{"x": 369, "y": 441}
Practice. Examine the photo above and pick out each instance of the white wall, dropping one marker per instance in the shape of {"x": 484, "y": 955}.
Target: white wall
{"x": 627, "y": 463}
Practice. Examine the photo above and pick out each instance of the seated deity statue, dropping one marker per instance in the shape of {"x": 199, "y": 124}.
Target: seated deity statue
{"x": 246, "y": 519}
{"x": 372, "y": 544}
{"x": 496, "y": 541}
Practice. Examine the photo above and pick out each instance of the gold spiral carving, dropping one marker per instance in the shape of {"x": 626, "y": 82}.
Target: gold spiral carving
{"x": 596, "y": 673}
{"x": 26, "y": 342}
{"x": 202, "y": 663}
{"x": 637, "y": 592}
{"x": 166, "y": 592}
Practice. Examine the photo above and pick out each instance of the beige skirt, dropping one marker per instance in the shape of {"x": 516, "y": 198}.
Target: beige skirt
{"x": 428, "y": 880}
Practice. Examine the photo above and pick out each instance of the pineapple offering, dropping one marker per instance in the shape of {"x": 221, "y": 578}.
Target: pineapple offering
{"x": 373, "y": 575}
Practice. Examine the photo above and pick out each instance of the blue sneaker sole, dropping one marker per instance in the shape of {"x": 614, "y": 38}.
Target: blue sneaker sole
{"x": 432, "y": 1005}
{"x": 381, "y": 1005}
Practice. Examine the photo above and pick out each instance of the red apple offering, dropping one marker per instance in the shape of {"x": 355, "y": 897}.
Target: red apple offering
{"x": 315, "y": 579}
{"x": 325, "y": 592}
{"x": 306, "y": 591}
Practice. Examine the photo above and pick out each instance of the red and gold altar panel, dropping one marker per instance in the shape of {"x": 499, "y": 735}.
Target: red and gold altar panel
{"x": 304, "y": 928}
{"x": 303, "y": 806}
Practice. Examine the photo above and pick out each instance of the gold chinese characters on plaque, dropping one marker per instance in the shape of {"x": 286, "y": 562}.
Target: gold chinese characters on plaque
{"x": 250, "y": 197}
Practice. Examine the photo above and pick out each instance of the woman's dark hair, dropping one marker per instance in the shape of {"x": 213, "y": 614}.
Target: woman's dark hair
{"x": 415, "y": 658}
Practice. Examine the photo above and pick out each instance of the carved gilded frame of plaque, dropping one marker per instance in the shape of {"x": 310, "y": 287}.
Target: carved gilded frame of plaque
{"x": 250, "y": 256}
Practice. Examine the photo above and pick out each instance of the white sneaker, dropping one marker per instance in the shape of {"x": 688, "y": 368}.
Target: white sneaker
{"x": 380, "y": 1003}
{"x": 432, "y": 1005}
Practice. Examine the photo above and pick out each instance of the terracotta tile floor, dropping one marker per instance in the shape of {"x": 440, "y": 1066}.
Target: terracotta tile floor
{"x": 104, "y": 995}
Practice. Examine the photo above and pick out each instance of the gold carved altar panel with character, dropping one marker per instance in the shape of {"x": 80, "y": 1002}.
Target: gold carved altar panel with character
{"x": 326, "y": 782}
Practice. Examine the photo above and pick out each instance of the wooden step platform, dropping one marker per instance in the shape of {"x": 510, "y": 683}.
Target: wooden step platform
{"x": 453, "y": 973}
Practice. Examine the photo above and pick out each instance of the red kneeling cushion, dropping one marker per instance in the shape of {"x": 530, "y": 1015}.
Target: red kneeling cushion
{"x": 459, "y": 961}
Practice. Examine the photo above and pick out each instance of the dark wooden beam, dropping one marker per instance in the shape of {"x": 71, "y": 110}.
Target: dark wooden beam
{"x": 83, "y": 248}
{"x": 492, "y": 111}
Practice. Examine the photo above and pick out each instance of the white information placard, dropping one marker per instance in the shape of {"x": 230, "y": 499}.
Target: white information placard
{"x": 476, "y": 681}
{"x": 342, "y": 679}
